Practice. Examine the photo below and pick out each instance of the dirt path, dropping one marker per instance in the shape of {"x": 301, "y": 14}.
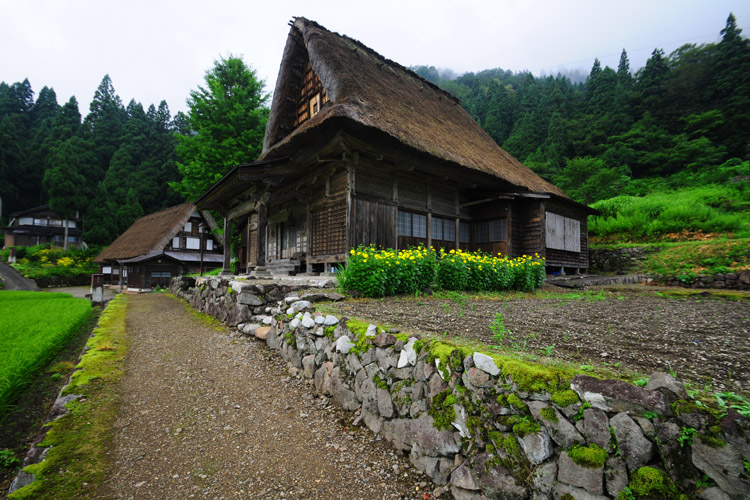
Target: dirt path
{"x": 208, "y": 415}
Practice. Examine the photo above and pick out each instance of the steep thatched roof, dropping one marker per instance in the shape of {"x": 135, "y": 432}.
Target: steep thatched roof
{"x": 151, "y": 233}
{"x": 364, "y": 87}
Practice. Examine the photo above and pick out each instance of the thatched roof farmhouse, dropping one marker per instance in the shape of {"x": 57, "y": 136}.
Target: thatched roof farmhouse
{"x": 360, "y": 150}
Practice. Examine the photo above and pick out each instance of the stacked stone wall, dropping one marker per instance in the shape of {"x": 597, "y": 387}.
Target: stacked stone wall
{"x": 486, "y": 427}
{"x": 625, "y": 260}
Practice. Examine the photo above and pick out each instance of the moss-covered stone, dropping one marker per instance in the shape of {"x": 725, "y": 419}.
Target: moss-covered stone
{"x": 579, "y": 415}
{"x": 549, "y": 414}
{"x": 379, "y": 382}
{"x": 564, "y": 398}
{"x": 523, "y": 425}
{"x": 648, "y": 483}
{"x": 357, "y": 327}
{"x": 683, "y": 406}
{"x": 516, "y": 403}
{"x": 592, "y": 457}
{"x": 362, "y": 343}
{"x": 712, "y": 437}
{"x": 506, "y": 442}
{"x": 442, "y": 411}
{"x": 289, "y": 337}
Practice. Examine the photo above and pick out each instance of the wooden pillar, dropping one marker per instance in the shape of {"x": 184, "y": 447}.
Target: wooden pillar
{"x": 226, "y": 269}
{"x": 429, "y": 229}
{"x": 262, "y": 227}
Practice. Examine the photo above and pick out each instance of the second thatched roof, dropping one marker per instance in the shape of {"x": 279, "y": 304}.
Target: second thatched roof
{"x": 151, "y": 233}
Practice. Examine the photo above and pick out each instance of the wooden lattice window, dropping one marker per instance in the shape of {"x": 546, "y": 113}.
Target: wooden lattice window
{"x": 328, "y": 232}
{"x": 312, "y": 96}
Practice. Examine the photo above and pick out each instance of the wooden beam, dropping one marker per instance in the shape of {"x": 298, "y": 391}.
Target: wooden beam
{"x": 241, "y": 209}
{"x": 486, "y": 200}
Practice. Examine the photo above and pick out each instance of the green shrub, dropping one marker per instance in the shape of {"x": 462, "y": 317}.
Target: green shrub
{"x": 378, "y": 273}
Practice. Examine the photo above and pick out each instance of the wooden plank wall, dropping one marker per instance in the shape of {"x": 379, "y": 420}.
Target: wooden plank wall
{"x": 374, "y": 222}
{"x": 580, "y": 259}
{"x": 526, "y": 228}
{"x": 382, "y": 190}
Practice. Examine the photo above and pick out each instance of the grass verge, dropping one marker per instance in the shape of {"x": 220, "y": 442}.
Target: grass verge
{"x": 77, "y": 461}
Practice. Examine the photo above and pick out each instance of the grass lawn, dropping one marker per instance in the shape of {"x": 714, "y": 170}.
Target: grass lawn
{"x": 34, "y": 326}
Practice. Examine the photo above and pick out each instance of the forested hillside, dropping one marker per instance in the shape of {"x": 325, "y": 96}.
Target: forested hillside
{"x": 681, "y": 120}
{"x": 112, "y": 167}
{"x": 120, "y": 163}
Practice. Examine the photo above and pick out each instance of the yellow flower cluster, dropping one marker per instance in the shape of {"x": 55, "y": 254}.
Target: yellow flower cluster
{"x": 480, "y": 259}
{"x": 378, "y": 272}
{"x": 65, "y": 261}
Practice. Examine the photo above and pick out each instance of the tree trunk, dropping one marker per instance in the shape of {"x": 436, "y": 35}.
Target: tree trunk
{"x": 65, "y": 240}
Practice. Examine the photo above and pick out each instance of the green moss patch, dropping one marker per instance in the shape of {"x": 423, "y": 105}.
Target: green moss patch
{"x": 506, "y": 442}
{"x": 80, "y": 439}
{"x": 357, "y": 327}
{"x": 565, "y": 398}
{"x": 592, "y": 457}
{"x": 549, "y": 414}
{"x": 648, "y": 483}
{"x": 523, "y": 426}
{"x": 442, "y": 411}
{"x": 516, "y": 403}
{"x": 379, "y": 382}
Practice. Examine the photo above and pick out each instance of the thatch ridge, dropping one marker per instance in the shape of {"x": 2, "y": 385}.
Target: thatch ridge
{"x": 369, "y": 89}
{"x": 150, "y": 233}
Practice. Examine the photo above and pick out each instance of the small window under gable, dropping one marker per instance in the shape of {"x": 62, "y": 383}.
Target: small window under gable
{"x": 312, "y": 96}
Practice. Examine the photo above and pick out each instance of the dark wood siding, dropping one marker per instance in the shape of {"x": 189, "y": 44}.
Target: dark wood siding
{"x": 526, "y": 228}
{"x": 373, "y": 223}
{"x": 412, "y": 192}
{"x": 374, "y": 181}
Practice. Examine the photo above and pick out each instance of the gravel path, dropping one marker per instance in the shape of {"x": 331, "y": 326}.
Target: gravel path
{"x": 205, "y": 414}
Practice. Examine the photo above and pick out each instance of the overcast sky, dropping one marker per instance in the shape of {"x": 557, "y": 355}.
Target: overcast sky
{"x": 158, "y": 49}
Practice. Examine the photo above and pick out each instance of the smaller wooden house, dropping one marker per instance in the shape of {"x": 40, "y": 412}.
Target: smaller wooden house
{"x": 161, "y": 245}
{"x": 40, "y": 225}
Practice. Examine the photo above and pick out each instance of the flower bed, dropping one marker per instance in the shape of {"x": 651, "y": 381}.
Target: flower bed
{"x": 378, "y": 273}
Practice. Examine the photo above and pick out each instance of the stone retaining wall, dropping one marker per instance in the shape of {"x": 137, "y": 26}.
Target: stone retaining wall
{"x": 482, "y": 426}
{"x": 624, "y": 260}
{"x": 618, "y": 260}
{"x": 729, "y": 281}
